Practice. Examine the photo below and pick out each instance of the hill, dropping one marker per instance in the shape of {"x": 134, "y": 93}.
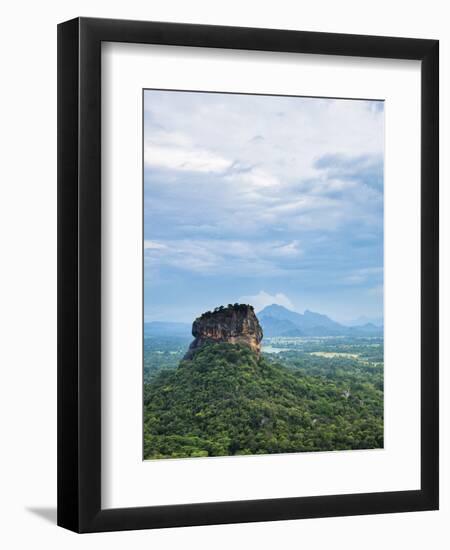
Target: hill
{"x": 228, "y": 401}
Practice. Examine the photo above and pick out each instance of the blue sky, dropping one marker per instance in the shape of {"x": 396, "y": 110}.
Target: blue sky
{"x": 262, "y": 199}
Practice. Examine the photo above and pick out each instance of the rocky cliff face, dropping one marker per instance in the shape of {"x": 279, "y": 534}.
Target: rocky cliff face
{"x": 235, "y": 324}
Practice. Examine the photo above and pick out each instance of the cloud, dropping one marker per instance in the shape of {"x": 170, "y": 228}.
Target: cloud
{"x": 376, "y": 291}
{"x": 253, "y": 177}
{"x": 291, "y": 249}
{"x": 223, "y": 257}
{"x": 367, "y": 169}
{"x": 152, "y": 245}
{"x": 286, "y": 192}
{"x": 230, "y": 126}
{"x": 262, "y": 299}
{"x": 362, "y": 275}
{"x": 316, "y": 173}
{"x": 178, "y": 158}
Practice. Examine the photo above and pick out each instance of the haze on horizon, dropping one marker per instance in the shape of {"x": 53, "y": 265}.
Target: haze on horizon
{"x": 262, "y": 200}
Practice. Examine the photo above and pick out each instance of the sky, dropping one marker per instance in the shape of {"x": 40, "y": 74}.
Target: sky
{"x": 262, "y": 199}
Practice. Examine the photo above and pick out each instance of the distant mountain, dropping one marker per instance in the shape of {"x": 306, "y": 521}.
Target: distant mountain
{"x": 277, "y": 320}
{"x": 364, "y": 320}
{"x": 369, "y": 329}
{"x": 167, "y": 329}
{"x": 276, "y": 327}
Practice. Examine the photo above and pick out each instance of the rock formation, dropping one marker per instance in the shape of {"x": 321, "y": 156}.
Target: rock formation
{"x": 235, "y": 324}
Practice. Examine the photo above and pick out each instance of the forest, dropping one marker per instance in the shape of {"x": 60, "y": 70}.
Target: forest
{"x": 311, "y": 395}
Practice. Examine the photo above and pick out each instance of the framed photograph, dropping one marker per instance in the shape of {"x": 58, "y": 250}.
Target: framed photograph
{"x": 248, "y": 275}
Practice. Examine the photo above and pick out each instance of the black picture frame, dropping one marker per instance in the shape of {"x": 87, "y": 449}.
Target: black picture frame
{"x": 79, "y": 274}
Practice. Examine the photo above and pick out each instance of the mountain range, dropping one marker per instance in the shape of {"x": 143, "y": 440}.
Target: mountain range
{"x": 363, "y": 320}
{"x": 276, "y": 321}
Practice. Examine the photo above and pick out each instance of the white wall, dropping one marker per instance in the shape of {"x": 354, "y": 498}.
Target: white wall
{"x": 28, "y": 272}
